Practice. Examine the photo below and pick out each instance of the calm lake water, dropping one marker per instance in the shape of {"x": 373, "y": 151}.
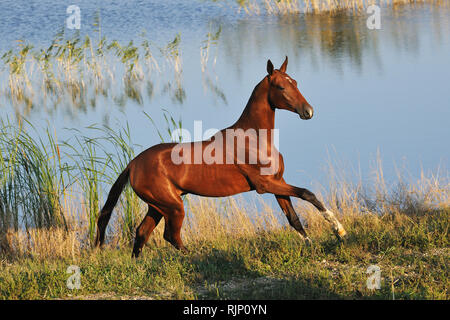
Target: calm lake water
{"x": 383, "y": 91}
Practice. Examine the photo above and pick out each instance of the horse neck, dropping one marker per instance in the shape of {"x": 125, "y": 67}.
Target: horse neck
{"x": 257, "y": 114}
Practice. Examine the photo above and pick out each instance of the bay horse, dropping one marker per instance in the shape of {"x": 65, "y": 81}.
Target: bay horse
{"x": 160, "y": 181}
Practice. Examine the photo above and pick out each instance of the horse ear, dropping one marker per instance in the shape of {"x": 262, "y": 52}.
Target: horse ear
{"x": 269, "y": 67}
{"x": 284, "y": 65}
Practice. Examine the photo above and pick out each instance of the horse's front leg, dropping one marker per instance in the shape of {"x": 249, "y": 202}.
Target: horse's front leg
{"x": 267, "y": 184}
{"x": 286, "y": 205}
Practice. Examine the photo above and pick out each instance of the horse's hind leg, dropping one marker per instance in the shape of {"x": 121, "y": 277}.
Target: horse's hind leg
{"x": 286, "y": 205}
{"x": 144, "y": 230}
{"x": 173, "y": 218}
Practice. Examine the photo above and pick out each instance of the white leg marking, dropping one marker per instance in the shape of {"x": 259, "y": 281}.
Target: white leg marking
{"x": 337, "y": 226}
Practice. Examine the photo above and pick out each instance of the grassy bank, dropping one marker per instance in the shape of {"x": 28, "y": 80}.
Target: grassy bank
{"x": 411, "y": 251}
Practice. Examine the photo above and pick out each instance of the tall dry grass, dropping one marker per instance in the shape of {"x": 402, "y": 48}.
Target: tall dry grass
{"x": 375, "y": 207}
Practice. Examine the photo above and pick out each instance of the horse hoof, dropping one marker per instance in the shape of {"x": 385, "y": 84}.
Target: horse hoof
{"x": 135, "y": 254}
{"x": 308, "y": 241}
{"x": 341, "y": 235}
{"x": 184, "y": 250}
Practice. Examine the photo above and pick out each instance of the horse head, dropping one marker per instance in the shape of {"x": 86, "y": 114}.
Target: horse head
{"x": 284, "y": 93}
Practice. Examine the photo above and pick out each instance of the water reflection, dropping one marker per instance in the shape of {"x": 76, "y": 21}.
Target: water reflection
{"x": 79, "y": 74}
{"x": 341, "y": 38}
{"x": 208, "y": 60}
{"x": 74, "y": 73}
{"x": 286, "y": 7}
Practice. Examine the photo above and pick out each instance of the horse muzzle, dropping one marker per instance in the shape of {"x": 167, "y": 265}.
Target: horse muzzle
{"x": 305, "y": 111}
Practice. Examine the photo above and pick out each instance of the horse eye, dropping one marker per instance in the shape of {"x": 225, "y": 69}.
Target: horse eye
{"x": 280, "y": 87}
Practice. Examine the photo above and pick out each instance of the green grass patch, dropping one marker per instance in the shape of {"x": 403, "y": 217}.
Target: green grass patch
{"x": 412, "y": 256}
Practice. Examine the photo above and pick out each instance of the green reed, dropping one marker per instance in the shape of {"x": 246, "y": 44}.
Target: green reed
{"x": 98, "y": 162}
{"x": 33, "y": 179}
{"x": 46, "y": 183}
{"x": 88, "y": 168}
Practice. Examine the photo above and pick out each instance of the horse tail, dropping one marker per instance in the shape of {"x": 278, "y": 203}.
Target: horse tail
{"x": 113, "y": 197}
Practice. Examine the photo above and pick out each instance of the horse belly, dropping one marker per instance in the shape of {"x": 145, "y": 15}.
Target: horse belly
{"x": 213, "y": 180}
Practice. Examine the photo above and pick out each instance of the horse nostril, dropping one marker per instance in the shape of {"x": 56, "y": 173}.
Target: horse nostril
{"x": 308, "y": 112}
